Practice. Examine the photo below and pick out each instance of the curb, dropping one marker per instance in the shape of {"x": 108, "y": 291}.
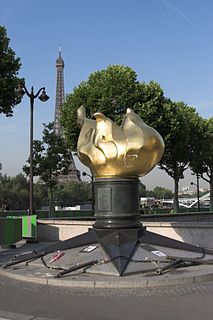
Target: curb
{"x": 155, "y": 281}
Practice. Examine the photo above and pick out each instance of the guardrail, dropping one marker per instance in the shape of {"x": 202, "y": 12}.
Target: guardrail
{"x": 179, "y": 217}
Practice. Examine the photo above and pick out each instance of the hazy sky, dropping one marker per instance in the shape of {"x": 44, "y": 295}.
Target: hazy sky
{"x": 166, "y": 41}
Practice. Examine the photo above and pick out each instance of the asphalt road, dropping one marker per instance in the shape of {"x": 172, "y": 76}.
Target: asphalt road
{"x": 23, "y": 300}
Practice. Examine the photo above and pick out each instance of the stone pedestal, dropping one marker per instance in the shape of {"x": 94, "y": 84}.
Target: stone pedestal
{"x": 116, "y": 203}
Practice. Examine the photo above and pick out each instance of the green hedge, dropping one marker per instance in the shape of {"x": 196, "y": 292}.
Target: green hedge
{"x": 74, "y": 213}
{"x": 45, "y": 214}
{"x": 170, "y": 210}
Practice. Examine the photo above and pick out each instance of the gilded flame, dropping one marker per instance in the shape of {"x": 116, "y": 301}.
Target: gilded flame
{"x": 131, "y": 150}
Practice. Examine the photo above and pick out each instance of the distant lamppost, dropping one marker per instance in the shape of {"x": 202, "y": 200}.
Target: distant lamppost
{"x": 198, "y": 196}
{"x": 20, "y": 91}
{"x": 93, "y": 195}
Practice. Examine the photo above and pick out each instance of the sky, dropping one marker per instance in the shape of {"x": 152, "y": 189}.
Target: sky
{"x": 169, "y": 41}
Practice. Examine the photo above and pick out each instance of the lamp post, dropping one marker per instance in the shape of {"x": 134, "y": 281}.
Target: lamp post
{"x": 93, "y": 195}
{"x": 21, "y": 90}
{"x": 198, "y": 196}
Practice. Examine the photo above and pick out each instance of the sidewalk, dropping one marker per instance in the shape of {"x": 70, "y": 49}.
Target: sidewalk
{"x": 36, "y": 272}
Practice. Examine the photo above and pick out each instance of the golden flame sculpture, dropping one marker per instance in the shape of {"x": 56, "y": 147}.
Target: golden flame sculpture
{"x": 131, "y": 150}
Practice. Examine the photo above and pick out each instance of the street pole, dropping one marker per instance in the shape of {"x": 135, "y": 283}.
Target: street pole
{"x": 31, "y": 150}
{"x": 43, "y": 97}
{"x": 198, "y": 192}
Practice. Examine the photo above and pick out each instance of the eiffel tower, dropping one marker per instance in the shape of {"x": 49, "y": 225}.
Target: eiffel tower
{"x": 74, "y": 174}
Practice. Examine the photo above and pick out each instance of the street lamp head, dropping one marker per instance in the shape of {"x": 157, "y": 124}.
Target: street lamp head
{"x": 88, "y": 175}
{"x": 43, "y": 96}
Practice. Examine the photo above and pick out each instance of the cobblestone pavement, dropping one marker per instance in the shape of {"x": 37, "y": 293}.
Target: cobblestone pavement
{"x": 27, "y": 301}
{"x": 42, "y": 299}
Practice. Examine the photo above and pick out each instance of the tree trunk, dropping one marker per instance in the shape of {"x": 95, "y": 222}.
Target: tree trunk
{"x": 211, "y": 194}
{"x": 51, "y": 212}
{"x": 176, "y": 203}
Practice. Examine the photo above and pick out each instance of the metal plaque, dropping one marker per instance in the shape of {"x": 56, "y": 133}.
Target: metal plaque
{"x": 104, "y": 199}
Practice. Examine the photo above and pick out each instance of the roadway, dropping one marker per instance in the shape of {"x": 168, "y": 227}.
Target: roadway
{"x": 27, "y": 301}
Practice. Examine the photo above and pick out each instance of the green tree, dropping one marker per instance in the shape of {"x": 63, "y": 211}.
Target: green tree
{"x": 162, "y": 193}
{"x": 15, "y": 192}
{"x": 9, "y": 67}
{"x": 40, "y": 194}
{"x": 4, "y": 189}
{"x": 201, "y": 161}
{"x": 178, "y": 141}
{"x": 73, "y": 193}
{"x": 110, "y": 91}
{"x": 113, "y": 90}
{"x": 51, "y": 158}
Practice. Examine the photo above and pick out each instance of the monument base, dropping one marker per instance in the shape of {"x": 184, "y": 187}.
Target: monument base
{"x": 119, "y": 252}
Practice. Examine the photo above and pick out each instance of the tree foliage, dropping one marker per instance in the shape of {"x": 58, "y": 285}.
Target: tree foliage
{"x": 9, "y": 67}
{"x": 182, "y": 125}
{"x": 110, "y": 91}
{"x": 161, "y": 193}
{"x": 113, "y": 90}
{"x": 51, "y": 158}
{"x": 14, "y": 191}
{"x": 201, "y": 161}
{"x": 73, "y": 193}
